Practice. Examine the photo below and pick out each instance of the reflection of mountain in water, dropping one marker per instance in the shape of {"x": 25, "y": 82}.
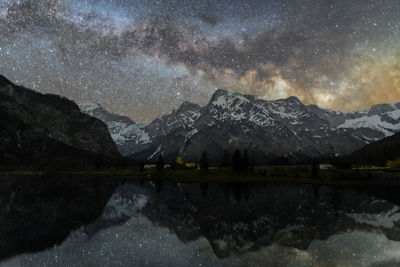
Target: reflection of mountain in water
{"x": 228, "y": 225}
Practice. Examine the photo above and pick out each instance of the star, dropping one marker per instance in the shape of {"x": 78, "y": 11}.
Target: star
{"x": 132, "y": 56}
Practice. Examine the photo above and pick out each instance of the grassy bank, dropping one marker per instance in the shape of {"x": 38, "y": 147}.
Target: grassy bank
{"x": 267, "y": 174}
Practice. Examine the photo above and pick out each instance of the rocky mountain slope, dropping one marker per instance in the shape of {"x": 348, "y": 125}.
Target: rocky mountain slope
{"x": 130, "y": 137}
{"x": 44, "y": 128}
{"x": 267, "y": 129}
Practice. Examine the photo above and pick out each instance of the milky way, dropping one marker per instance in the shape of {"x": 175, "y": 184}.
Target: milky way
{"x": 144, "y": 58}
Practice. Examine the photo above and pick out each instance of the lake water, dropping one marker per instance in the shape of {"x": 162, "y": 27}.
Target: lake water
{"x": 149, "y": 224}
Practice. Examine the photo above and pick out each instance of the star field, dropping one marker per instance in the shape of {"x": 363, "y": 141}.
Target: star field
{"x": 144, "y": 58}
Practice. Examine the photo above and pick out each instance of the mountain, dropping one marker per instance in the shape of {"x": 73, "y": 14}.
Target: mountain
{"x": 267, "y": 129}
{"x": 378, "y": 152}
{"x": 38, "y": 129}
{"x": 130, "y": 137}
{"x": 378, "y": 122}
{"x": 284, "y": 128}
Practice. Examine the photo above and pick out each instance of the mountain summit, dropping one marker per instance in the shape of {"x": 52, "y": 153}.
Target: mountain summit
{"x": 267, "y": 129}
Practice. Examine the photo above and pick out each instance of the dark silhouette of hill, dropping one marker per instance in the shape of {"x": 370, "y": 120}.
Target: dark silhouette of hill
{"x": 49, "y": 131}
{"x": 378, "y": 152}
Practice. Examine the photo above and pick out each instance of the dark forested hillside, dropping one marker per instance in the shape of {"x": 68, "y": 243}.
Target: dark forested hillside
{"x": 41, "y": 130}
{"x": 378, "y": 152}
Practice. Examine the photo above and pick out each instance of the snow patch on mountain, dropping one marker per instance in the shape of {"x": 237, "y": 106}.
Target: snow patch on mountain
{"x": 395, "y": 105}
{"x": 191, "y": 133}
{"x": 372, "y": 122}
{"x": 231, "y": 106}
{"x": 395, "y": 114}
{"x": 158, "y": 150}
{"x": 121, "y": 132}
{"x": 260, "y": 118}
{"x": 230, "y": 99}
{"x": 88, "y": 107}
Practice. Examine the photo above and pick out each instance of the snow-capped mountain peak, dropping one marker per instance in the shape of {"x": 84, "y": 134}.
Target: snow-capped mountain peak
{"x": 128, "y": 135}
{"x": 267, "y": 129}
{"x": 228, "y": 99}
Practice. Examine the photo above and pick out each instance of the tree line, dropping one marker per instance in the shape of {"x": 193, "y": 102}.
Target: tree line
{"x": 239, "y": 163}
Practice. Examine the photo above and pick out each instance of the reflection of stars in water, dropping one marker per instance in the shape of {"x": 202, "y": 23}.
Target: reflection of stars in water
{"x": 138, "y": 242}
{"x": 133, "y": 56}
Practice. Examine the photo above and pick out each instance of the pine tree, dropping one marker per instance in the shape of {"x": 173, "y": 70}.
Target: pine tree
{"x": 141, "y": 166}
{"x": 245, "y": 162}
{"x": 99, "y": 162}
{"x": 252, "y": 165}
{"x": 315, "y": 171}
{"x": 124, "y": 163}
{"x": 204, "y": 162}
{"x": 226, "y": 159}
{"x": 160, "y": 163}
{"x": 2, "y": 158}
{"x": 236, "y": 161}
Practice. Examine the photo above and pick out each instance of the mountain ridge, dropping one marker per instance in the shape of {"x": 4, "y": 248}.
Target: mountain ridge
{"x": 38, "y": 129}
{"x": 269, "y": 129}
{"x": 127, "y": 134}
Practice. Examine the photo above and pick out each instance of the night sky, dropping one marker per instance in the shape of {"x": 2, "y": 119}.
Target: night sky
{"x": 144, "y": 58}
